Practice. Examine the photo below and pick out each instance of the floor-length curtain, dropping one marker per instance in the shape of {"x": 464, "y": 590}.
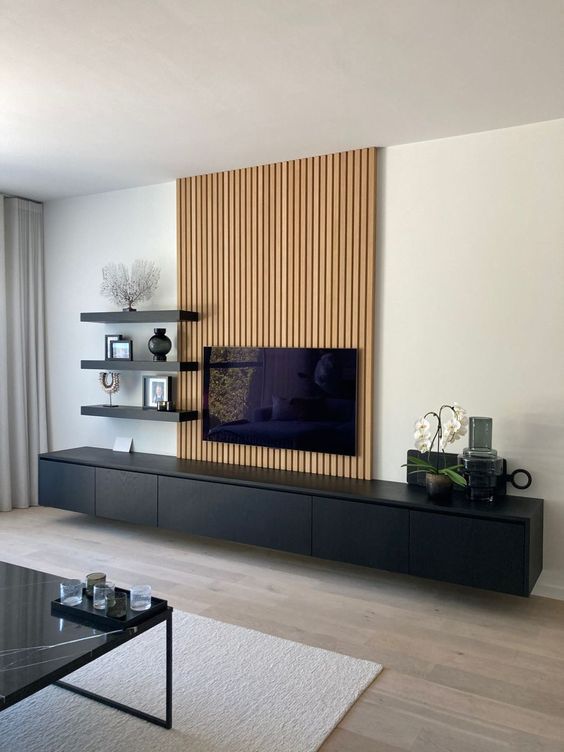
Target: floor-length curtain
{"x": 23, "y": 418}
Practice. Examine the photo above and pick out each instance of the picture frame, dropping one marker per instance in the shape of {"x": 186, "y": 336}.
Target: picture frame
{"x": 121, "y": 349}
{"x": 156, "y": 389}
{"x": 109, "y": 338}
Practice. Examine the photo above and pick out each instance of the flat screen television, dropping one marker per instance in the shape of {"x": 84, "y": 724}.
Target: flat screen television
{"x": 283, "y": 397}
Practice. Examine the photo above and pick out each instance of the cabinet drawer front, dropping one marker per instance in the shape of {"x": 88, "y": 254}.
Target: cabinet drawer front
{"x": 498, "y": 551}
{"x": 376, "y": 536}
{"x": 469, "y": 551}
{"x": 126, "y": 496}
{"x": 440, "y": 547}
{"x": 247, "y": 515}
{"x": 66, "y": 486}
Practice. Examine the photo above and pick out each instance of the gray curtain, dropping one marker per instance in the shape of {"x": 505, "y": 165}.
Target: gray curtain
{"x": 23, "y": 416}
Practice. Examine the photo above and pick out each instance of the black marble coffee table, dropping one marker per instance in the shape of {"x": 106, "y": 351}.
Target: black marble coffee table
{"x": 38, "y": 649}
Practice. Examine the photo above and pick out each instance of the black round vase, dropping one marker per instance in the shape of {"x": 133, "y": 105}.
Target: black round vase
{"x": 439, "y": 487}
{"x": 159, "y": 344}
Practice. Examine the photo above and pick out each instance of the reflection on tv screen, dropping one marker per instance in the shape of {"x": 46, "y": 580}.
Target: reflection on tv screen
{"x": 285, "y": 398}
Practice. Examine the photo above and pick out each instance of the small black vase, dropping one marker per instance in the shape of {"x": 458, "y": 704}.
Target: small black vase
{"x": 439, "y": 488}
{"x": 159, "y": 344}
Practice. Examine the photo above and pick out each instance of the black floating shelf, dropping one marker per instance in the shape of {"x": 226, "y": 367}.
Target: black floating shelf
{"x": 139, "y": 317}
{"x": 138, "y": 413}
{"x": 139, "y": 365}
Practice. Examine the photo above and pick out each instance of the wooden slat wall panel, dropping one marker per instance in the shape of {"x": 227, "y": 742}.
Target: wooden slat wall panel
{"x": 280, "y": 255}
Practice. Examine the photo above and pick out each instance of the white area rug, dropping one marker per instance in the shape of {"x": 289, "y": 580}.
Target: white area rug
{"x": 235, "y": 690}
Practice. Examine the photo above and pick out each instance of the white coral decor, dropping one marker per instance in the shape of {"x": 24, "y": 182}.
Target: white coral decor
{"x": 126, "y": 287}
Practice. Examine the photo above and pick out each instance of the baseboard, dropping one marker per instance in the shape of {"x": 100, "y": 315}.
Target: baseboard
{"x": 550, "y": 585}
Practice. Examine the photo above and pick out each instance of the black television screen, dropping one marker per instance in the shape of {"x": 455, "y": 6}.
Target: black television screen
{"x": 282, "y": 397}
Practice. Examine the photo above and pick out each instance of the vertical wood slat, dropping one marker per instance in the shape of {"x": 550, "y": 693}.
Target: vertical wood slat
{"x": 281, "y": 255}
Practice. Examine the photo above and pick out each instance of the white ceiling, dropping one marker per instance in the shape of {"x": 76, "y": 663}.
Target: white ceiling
{"x": 106, "y": 94}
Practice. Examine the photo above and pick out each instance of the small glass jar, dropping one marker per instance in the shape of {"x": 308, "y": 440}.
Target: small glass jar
{"x": 103, "y": 595}
{"x": 140, "y": 597}
{"x": 94, "y": 578}
{"x": 118, "y": 609}
{"x": 71, "y": 592}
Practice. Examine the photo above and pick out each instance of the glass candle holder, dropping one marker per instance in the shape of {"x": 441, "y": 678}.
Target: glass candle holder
{"x": 94, "y": 578}
{"x": 103, "y": 595}
{"x": 71, "y": 592}
{"x": 110, "y": 592}
{"x": 118, "y": 608}
{"x": 140, "y": 597}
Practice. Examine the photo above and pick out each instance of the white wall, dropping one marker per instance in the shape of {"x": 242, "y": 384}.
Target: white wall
{"x": 470, "y": 279}
{"x": 81, "y": 236}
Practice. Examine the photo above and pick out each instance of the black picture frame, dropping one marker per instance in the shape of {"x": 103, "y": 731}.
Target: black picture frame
{"x": 107, "y": 340}
{"x": 121, "y": 349}
{"x": 149, "y": 385}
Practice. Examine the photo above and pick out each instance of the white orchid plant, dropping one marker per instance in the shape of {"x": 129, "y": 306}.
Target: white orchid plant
{"x": 445, "y": 433}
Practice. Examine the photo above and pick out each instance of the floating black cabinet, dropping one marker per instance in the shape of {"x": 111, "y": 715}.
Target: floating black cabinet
{"x": 376, "y": 536}
{"x": 247, "y": 515}
{"x": 130, "y": 497}
{"x": 468, "y": 551}
{"x": 375, "y": 523}
{"x": 66, "y": 486}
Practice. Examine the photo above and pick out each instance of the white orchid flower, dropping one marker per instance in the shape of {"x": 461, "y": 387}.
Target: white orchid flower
{"x": 452, "y": 431}
{"x": 422, "y": 425}
{"x": 421, "y": 435}
{"x": 459, "y": 412}
{"x": 423, "y": 446}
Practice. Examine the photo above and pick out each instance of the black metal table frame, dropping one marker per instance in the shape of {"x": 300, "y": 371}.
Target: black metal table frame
{"x": 135, "y": 631}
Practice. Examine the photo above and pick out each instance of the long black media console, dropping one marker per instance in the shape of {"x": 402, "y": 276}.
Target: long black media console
{"x": 379, "y": 524}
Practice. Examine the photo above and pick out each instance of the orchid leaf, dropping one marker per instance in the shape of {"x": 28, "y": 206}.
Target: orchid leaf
{"x": 422, "y": 468}
{"x": 419, "y": 461}
{"x": 454, "y": 476}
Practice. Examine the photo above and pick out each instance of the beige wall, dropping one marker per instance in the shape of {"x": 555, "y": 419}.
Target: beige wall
{"x": 470, "y": 288}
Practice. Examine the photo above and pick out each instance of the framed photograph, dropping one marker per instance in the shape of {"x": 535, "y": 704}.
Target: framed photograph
{"x": 156, "y": 389}
{"x": 121, "y": 349}
{"x": 109, "y": 339}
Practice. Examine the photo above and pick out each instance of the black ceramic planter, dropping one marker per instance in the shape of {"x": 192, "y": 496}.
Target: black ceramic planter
{"x": 439, "y": 487}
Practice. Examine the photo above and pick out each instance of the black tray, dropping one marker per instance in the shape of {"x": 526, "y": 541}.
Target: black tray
{"x": 85, "y": 613}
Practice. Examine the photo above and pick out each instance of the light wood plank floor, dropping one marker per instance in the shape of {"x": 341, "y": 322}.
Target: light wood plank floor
{"x": 465, "y": 670}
